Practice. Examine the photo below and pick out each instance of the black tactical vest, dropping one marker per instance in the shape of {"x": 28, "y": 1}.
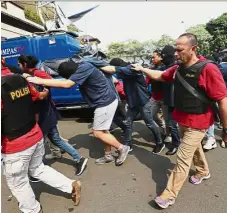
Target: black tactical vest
{"x": 184, "y": 101}
{"x": 18, "y": 116}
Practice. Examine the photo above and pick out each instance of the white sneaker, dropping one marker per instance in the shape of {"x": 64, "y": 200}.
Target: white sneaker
{"x": 168, "y": 139}
{"x": 223, "y": 144}
{"x": 210, "y": 143}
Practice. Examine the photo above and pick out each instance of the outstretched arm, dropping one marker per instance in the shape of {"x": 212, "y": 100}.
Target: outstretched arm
{"x": 108, "y": 69}
{"x": 61, "y": 83}
{"x": 153, "y": 74}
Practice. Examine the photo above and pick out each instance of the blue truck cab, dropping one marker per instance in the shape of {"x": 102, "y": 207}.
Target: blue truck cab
{"x": 50, "y": 45}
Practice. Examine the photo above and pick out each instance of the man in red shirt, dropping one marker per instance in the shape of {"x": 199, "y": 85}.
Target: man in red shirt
{"x": 193, "y": 116}
{"x": 22, "y": 144}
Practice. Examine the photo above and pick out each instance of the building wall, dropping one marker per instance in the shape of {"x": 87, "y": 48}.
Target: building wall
{"x": 13, "y": 10}
{"x": 10, "y": 31}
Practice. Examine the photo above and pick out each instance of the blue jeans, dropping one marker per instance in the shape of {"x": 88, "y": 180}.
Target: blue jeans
{"x": 210, "y": 131}
{"x": 54, "y": 137}
{"x": 146, "y": 113}
{"x": 174, "y": 128}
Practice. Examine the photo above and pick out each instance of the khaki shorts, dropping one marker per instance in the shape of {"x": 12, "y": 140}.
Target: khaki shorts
{"x": 103, "y": 116}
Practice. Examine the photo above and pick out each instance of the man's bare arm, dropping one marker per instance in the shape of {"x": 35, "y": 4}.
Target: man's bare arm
{"x": 223, "y": 111}
{"x": 59, "y": 83}
{"x": 108, "y": 69}
{"x": 153, "y": 74}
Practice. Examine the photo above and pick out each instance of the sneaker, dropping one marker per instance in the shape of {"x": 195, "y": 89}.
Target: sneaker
{"x": 210, "y": 144}
{"x": 172, "y": 151}
{"x": 112, "y": 130}
{"x": 34, "y": 180}
{"x": 223, "y": 144}
{"x": 52, "y": 156}
{"x": 158, "y": 148}
{"x": 105, "y": 159}
{"x": 123, "y": 153}
{"x": 197, "y": 178}
{"x": 81, "y": 166}
{"x": 130, "y": 150}
{"x": 168, "y": 139}
{"x": 62, "y": 151}
{"x": 76, "y": 192}
{"x": 164, "y": 203}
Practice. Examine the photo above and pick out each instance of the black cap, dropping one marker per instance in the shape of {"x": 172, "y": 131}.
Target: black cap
{"x": 168, "y": 50}
{"x": 118, "y": 62}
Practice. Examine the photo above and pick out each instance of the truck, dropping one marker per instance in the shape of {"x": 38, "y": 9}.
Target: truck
{"x": 54, "y": 45}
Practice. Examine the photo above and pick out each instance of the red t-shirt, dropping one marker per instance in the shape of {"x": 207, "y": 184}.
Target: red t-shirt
{"x": 120, "y": 90}
{"x": 158, "y": 96}
{"x": 212, "y": 82}
{"x": 28, "y": 140}
{"x": 41, "y": 74}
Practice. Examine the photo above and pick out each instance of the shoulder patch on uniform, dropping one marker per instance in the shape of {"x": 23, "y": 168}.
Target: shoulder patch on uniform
{"x": 19, "y": 93}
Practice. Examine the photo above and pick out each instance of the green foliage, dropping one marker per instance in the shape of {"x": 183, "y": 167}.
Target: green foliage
{"x": 33, "y": 16}
{"x": 204, "y": 38}
{"x": 211, "y": 37}
{"x": 218, "y": 30}
{"x": 73, "y": 28}
{"x": 164, "y": 40}
{"x": 135, "y": 49}
{"x": 116, "y": 49}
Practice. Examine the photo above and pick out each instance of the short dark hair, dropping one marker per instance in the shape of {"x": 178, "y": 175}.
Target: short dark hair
{"x": 157, "y": 51}
{"x": 67, "y": 68}
{"x": 191, "y": 37}
{"x": 118, "y": 62}
{"x": 224, "y": 59}
{"x": 31, "y": 61}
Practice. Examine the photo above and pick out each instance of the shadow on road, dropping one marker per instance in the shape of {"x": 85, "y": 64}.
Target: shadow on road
{"x": 41, "y": 187}
{"x": 158, "y": 164}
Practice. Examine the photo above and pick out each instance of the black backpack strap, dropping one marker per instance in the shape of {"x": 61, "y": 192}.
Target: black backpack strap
{"x": 199, "y": 66}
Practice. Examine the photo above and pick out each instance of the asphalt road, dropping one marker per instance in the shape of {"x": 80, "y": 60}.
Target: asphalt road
{"x": 131, "y": 187}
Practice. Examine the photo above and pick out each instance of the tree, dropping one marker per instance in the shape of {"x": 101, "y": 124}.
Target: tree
{"x": 73, "y": 28}
{"x": 116, "y": 49}
{"x": 204, "y": 38}
{"x": 134, "y": 49}
{"x": 218, "y": 30}
{"x": 149, "y": 47}
{"x": 164, "y": 40}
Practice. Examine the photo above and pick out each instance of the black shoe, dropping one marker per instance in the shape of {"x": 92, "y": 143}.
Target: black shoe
{"x": 131, "y": 148}
{"x": 172, "y": 151}
{"x": 158, "y": 148}
{"x": 34, "y": 180}
{"x": 81, "y": 166}
{"x": 111, "y": 130}
{"x": 62, "y": 151}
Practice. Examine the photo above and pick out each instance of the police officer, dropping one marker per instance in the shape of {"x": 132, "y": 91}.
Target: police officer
{"x": 193, "y": 116}
{"x": 22, "y": 144}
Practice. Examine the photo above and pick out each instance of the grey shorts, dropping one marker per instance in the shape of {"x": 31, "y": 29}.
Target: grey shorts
{"x": 103, "y": 116}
